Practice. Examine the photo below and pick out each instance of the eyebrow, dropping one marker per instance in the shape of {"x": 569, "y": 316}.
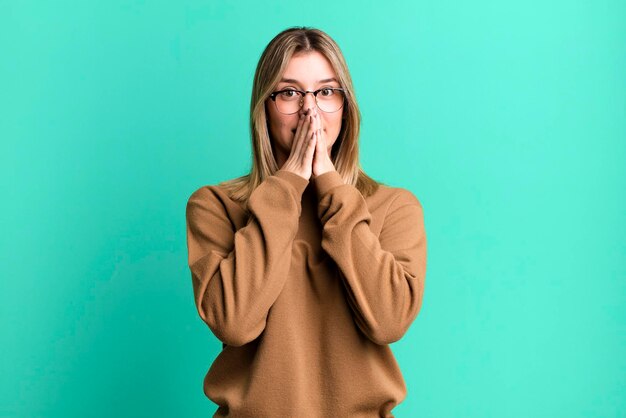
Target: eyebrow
{"x": 291, "y": 80}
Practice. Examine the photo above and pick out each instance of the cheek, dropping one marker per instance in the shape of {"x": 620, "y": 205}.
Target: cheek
{"x": 277, "y": 125}
{"x": 281, "y": 123}
{"x": 333, "y": 123}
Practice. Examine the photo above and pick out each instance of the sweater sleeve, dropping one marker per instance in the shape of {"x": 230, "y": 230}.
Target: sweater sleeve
{"x": 384, "y": 276}
{"x": 237, "y": 275}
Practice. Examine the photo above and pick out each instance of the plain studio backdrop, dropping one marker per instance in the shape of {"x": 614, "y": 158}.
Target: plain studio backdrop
{"x": 506, "y": 119}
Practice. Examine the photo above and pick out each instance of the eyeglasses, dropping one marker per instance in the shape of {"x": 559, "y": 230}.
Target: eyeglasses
{"x": 289, "y": 101}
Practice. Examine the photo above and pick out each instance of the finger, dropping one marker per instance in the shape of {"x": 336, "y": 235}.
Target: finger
{"x": 305, "y": 138}
{"x": 313, "y": 132}
{"x": 319, "y": 146}
{"x": 296, "y": 145}
{"x": 312, "y": 125}
{"x": 310, "y": 150}
{"x": 320, "y": 131}
{"x": 301, "y": 137}
{"x": 317, "y": 125}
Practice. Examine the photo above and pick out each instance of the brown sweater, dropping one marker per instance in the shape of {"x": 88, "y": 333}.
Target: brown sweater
{"x": 305, "y": 294}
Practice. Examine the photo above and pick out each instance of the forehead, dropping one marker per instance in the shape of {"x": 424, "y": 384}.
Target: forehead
{"x": 309, "y": 67}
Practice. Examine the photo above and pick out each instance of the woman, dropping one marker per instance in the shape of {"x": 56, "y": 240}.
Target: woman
{"x": 306, "y": 269}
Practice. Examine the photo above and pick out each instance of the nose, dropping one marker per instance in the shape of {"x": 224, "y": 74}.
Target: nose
{"x": 308, "y": 103}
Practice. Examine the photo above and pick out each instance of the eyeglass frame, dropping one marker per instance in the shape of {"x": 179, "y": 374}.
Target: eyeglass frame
{"x": 304, "y": 93}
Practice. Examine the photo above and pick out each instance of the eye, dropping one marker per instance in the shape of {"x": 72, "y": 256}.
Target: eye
{"x": 327, "y": 92}
{"x": 288, "y": 93}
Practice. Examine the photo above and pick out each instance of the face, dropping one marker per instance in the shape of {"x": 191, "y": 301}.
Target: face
{"x": 305, "y": 70}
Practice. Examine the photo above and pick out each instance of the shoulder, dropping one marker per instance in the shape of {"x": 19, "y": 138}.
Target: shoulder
{"x": 404, "y": 214}
{"x": 207, "y": 200}
{"x": 397, "y": 196}
{"x": 205, "y": 194}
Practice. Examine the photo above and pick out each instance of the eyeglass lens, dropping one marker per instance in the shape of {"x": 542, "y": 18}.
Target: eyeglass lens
{"x": 328, "y": 100}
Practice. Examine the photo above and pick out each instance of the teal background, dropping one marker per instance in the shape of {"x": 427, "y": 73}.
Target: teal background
{"x": 506, "y": 119}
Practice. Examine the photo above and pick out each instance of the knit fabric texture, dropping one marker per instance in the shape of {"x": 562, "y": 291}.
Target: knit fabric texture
{"x": 306, "y": 290}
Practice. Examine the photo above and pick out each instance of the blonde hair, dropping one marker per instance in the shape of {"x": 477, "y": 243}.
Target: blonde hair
{"x": 271, "y": 66}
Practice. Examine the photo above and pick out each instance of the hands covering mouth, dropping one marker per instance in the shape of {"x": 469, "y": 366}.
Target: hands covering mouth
{"x": 293, "y": 130}
{"x": 310, "y": 155}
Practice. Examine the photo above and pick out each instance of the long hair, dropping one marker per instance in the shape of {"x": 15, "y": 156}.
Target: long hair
{"x": 271, "y": 65}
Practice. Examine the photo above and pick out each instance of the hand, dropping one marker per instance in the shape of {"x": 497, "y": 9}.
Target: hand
{"x": 300, "y": 159}
{"x": 322, "y": 162}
